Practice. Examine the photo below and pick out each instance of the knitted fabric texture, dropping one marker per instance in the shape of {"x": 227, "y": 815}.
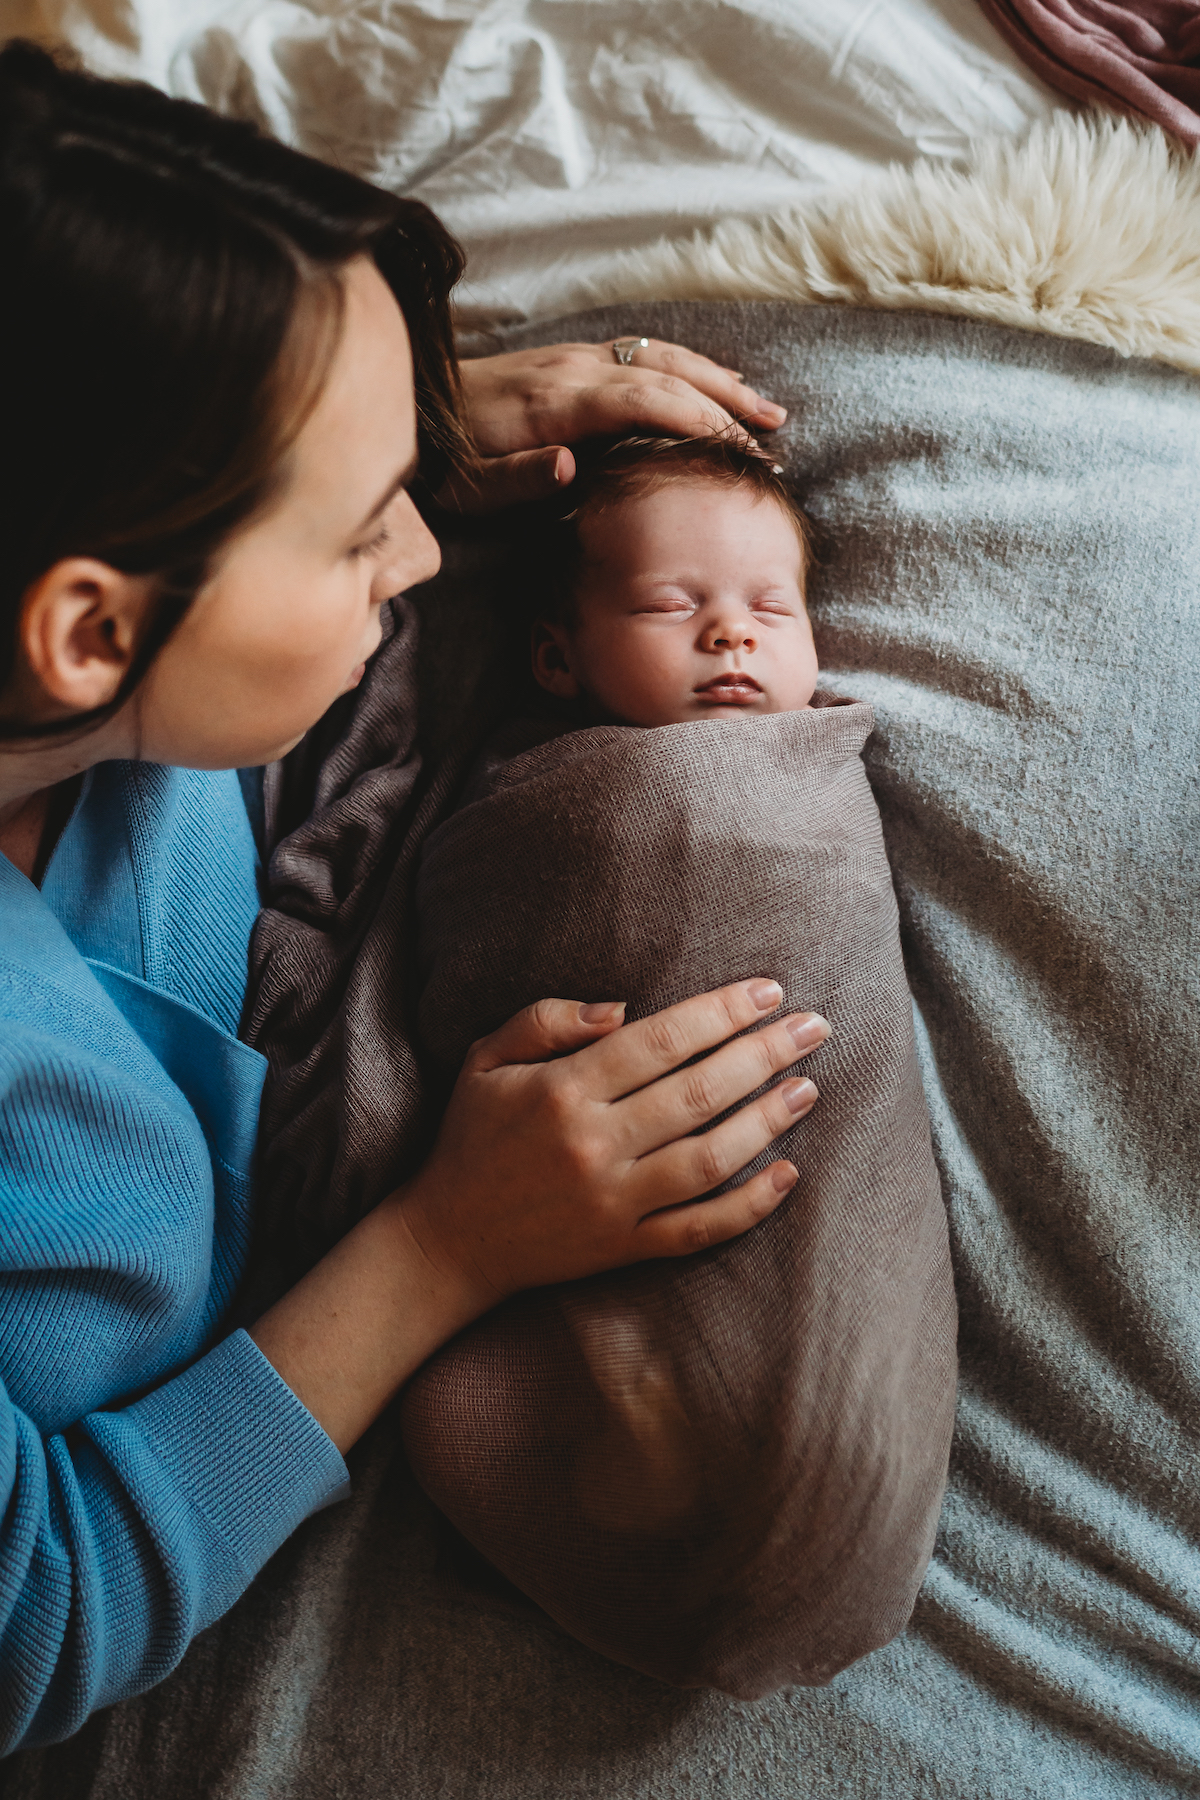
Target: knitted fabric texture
{"x": 725, "y": 1470}
{"x": 140, "y": 1488}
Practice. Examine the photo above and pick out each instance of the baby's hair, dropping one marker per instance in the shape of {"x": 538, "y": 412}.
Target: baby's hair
{"x": 635, "y": 466}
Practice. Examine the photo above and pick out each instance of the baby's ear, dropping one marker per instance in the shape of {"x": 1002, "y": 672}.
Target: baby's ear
{"x": 550, "y": 651}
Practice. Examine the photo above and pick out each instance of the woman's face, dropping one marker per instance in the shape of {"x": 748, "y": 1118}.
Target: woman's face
{"x": 290, "y": 612}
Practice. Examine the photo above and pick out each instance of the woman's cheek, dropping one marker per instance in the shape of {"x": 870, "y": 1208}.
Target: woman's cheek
{"x": 324, "y": 640}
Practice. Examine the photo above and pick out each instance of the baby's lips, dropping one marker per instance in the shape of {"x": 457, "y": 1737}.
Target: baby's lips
{"x": 731, "y": 678}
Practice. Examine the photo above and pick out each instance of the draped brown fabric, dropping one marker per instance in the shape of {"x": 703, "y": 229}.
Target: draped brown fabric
{"x": 1140, "y": 55}
{"x": 346, "y": 1111}
{"x": 725, "y": 1470}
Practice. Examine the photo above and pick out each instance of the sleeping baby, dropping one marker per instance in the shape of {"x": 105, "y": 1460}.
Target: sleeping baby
{"x": 676, "y": 589}
{"x": 645, "y": 1453}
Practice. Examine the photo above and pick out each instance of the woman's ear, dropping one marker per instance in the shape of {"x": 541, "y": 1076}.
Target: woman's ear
{"x": 551, "y": 650}
{"x": 81, "y": 623}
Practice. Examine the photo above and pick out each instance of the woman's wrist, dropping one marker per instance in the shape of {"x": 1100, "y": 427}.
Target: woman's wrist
{"x": 349, "y": 1334}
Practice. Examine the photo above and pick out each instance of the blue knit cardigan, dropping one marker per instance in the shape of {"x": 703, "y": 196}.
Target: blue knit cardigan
{"x": 149, "y": 1462}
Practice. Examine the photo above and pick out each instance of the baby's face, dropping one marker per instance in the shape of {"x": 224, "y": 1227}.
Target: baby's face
{"x": 690, "y": 605}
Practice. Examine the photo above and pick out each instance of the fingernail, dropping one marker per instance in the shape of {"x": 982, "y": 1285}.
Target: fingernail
{"x": 737, "y": 374}
{"x": 798, "y": 1096}
{"x": 562, "y": 472}
{"x": 765, "y": 994}
{"x": 785, "y": 1176}
{"x": 808, "y": 1031}
{"x": 777, "y": 413}
{"x": 598, "y": 1012}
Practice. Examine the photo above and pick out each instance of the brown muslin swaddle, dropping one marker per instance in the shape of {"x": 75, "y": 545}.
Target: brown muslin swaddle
{"x": 650, "y": 1454}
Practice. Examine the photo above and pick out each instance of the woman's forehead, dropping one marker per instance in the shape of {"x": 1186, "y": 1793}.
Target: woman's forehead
{"x": 363, "y": 428}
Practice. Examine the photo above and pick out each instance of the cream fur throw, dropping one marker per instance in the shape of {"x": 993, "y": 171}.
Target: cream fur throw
{"x": 1089, "y": 228}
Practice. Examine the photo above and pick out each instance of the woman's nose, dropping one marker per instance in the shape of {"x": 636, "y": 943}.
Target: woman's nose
{"x": 732, "y": 633}
{"x": 413, "y": 555}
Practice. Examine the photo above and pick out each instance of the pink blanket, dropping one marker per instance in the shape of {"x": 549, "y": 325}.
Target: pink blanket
{"x": 1140, "y": 55}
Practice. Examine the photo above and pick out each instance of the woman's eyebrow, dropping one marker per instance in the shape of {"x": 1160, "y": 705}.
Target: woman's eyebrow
{"x": 393, "y": 488}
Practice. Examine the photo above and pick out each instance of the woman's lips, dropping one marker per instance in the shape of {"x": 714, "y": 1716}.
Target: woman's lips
{"x": 733, "y": 689}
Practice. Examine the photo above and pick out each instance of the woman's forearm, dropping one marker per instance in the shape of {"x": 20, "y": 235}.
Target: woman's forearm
{"x": 350, "y": 1333}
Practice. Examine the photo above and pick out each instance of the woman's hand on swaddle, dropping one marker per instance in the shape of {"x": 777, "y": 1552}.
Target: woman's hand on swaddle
{"x": 548, "y": 1166}
{"x": 552, "y": 1166}
{"x": 525, "y": 407}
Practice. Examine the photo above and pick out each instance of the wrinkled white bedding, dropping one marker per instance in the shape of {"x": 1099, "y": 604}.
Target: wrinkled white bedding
{"x": 553, "y": 134}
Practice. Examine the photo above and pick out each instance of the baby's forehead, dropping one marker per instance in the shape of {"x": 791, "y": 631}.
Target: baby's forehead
{"x": 685, "y": 516}
{"x": 668, "y": 487}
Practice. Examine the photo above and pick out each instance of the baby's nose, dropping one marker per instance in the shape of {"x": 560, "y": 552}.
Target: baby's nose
{"x": 728, "y": 634}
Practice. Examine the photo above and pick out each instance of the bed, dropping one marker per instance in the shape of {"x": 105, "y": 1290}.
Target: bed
{"x": 1035, "y": 764}
{"x": 553, "y": 137}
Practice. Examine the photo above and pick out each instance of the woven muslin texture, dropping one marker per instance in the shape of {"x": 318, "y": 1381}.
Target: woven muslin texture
{"x": 724, "y": 1470}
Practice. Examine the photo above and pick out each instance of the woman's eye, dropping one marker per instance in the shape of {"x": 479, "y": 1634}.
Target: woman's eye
{"x": 373, "y": 545}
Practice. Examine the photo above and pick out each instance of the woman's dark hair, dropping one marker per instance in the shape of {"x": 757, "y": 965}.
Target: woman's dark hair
{"x": 608, "y": 473}
{"x": 169, "y": 307}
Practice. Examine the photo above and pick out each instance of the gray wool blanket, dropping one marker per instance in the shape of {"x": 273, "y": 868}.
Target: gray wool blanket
{"x": 724, "y": 1471}
{"x": 1010, "y": 578}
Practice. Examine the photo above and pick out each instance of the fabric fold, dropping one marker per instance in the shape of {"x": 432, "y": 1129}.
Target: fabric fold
{"x": 1143, "y": 57}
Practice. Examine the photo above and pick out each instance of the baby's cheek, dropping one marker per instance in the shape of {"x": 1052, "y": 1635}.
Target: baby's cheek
{"x": 662, "y": 677}
{"x": 632, "y": 679}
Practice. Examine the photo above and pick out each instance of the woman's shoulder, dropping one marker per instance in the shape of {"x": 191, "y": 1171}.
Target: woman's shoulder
{"x": 126, "y": 1112}
{"x": 157, "y": 875}
{"x": 122, "y": 982}
{"x": 58, "y": 1023}
{"x": 101, "y": 1156}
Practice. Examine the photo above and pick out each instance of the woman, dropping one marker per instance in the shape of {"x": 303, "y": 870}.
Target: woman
{"x": 226, "y": 366}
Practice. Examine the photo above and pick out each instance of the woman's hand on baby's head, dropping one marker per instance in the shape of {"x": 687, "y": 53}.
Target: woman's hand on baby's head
{"x": 526, "y": 406}
{"x": 552, "y": 1165}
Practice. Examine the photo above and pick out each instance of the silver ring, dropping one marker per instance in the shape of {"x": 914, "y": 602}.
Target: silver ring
{"x": 623, "y": 349}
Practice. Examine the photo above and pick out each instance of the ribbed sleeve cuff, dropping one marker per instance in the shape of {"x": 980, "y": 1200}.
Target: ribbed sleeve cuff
{"x": 250, "y": 1457}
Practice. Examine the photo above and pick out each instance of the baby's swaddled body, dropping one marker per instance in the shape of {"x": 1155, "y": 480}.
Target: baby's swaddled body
{"x": 648, "y": 1454}
{"x": 652, "y": 1455}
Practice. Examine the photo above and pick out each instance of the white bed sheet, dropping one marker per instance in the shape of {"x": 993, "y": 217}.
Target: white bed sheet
{"x": 553, "y": 134}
